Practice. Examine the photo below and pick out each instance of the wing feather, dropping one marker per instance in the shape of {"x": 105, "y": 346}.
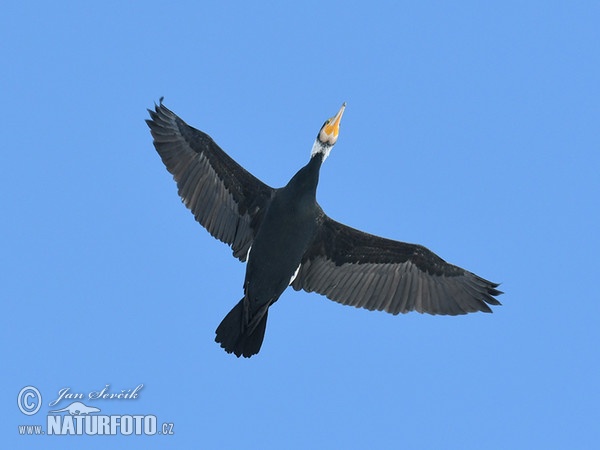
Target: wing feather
{"x": 225, "y": 198}
{"x": 359, "y": 269}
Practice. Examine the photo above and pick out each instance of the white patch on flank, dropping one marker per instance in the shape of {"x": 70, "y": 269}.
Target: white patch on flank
{"x": 248, "y": 254}
{"x": 295, "y": 275}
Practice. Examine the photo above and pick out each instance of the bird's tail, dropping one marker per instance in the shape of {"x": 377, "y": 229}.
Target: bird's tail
{"x": 240, "y": 334}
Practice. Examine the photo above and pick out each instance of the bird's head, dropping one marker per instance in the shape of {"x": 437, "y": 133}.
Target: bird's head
{"x": 328, "y": 135}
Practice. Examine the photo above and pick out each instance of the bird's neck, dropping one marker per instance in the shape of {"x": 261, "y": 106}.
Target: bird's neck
{"x": 320, "y": 148}
{"x": 307, "y": 178}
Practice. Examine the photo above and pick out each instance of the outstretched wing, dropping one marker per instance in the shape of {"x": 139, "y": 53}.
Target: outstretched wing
{"x": 224, "y": 197}
{"x": 366, "y": 271}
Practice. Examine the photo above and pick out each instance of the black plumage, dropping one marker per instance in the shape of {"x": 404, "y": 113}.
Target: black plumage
{"x": 288, "y": 239}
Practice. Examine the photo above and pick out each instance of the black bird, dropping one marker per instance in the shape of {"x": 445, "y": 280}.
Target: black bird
{"x": 286, "y": 239}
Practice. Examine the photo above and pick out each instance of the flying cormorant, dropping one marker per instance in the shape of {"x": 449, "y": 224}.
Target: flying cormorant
{"x": 286, "y": 239}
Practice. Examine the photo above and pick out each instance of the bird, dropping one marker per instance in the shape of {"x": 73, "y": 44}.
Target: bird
{"x": 286, "y": 239}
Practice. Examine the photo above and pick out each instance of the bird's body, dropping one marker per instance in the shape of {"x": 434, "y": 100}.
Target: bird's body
{"x": 286, "y": 239}
{"x": 288, "y": 228}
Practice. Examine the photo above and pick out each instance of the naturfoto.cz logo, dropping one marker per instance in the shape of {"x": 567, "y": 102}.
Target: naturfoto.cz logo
{"x": 78, "y": 416}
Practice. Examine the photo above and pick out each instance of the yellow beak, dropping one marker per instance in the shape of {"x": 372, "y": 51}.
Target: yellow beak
{"x": 332, "y": 127}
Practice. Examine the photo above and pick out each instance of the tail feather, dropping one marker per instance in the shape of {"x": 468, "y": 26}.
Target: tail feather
{"x": 240, "y": 334}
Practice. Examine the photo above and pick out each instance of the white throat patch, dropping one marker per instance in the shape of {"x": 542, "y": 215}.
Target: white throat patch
{"x": 319, "y": 147}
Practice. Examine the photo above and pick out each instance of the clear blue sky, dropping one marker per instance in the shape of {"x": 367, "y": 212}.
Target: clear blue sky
{"x": 471, "y": 128}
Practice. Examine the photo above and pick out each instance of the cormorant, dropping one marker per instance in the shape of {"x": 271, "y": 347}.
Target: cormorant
{"x": 286, "y": 239}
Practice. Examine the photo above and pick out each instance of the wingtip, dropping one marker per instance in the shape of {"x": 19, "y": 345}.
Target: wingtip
{"x": 160, "y": 103}
{"x": 159, "y": 111}
{"x": 495, "y": 292}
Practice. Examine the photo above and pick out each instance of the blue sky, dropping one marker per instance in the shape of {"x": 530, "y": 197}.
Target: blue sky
{"x": 471, "y": 128}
